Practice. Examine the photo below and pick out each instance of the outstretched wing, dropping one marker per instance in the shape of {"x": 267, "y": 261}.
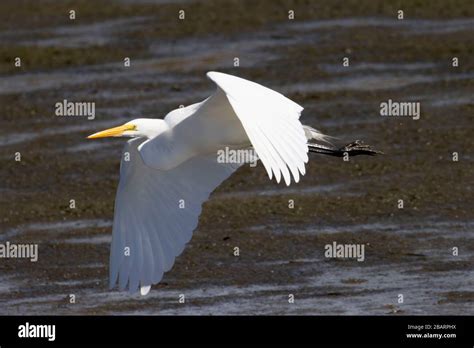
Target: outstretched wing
{"x": 271, "y": 122}
{"x": 240, "y": 111}
{"x": 156, "y": 213}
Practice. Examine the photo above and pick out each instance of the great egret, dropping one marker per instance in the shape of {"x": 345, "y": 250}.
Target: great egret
{"x": 170, "y": 168}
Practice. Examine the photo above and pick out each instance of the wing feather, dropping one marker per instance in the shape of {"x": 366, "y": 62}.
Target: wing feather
{"x": 148, "y": 218}
{"x": 240, "y": 112}
{"x": 271, "y": 122}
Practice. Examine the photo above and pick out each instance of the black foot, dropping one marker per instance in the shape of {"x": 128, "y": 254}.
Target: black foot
{"x": 352, "y": 149}
{"x": 359, "y": 148}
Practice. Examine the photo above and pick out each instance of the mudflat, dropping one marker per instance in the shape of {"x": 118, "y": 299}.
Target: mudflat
{"x": 409, "y": 251}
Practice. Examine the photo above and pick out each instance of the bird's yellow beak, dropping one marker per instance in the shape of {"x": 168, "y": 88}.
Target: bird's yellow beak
{"x": 112, "y": 132}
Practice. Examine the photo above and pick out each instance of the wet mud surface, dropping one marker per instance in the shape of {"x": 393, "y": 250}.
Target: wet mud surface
{"x": 408, "y": 251}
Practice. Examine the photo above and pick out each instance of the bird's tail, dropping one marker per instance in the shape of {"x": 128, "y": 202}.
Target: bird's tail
{"x": 315, "y": 135}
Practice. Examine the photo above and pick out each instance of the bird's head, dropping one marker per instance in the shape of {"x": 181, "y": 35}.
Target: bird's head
{"x": 140, "y": 127}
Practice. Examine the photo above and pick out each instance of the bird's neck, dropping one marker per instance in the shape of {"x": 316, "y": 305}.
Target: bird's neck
{"x": 153, "y": 128}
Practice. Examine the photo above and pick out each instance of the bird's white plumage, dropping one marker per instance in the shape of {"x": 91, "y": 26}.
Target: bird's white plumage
{"x": 156, "y": 213}
{"x": 271, "y": 122}
{"x": 178, "y": 165}
{"x": 240, "y": 112}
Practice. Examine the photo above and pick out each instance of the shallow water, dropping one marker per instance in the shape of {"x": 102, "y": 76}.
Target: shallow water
{"x": 382, "y": 81}
{"x": 412, "y": 26}
{"x": 55, "y": 227}
{"x": 323, "y": 286}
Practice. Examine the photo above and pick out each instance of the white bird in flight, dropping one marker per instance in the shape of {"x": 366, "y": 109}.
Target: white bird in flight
{"x": 169, "y": 168}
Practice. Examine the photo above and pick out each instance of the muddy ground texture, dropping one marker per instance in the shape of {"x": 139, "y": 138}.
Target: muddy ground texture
{"x": 408, "y": 251}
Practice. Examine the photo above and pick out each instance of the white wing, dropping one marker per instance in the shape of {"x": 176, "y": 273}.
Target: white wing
{"x": 156, "y": 213}
{"x": 239, "y": 110}
{"x": 271, "y": 122}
